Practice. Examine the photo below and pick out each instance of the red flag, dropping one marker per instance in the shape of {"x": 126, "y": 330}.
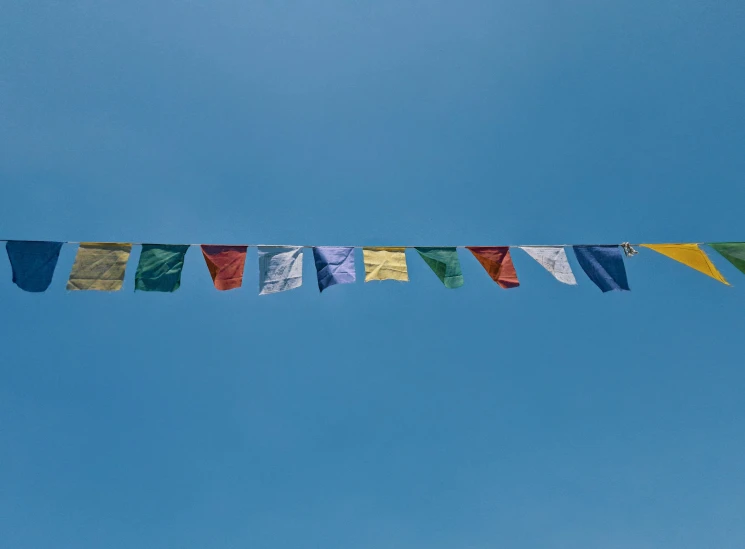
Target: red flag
{"x": 226, "y": 265}
{"x": 498, "y": 263}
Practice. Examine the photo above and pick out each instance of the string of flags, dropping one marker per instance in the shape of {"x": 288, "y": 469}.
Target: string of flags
{"x": 102, "y": 265}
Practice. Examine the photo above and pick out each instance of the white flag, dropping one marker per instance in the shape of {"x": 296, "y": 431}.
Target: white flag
{"x": 280, "y": 269}
{"x": 554, "y": 260}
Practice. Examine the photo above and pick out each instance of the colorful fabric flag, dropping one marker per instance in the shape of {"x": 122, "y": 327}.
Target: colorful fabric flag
{"x": 497, "y": 262}
{"x": 226, "y": 264}
{"x": 99, "y": 266}
{"x": 734, "y": 252}
{"x": 385, "y": 264}
{"x": 554, "y": 260}
{"x": 334, "y": 265}
{"x": 691, "y": 255}
{"x": 160, "y": 266}
{"x": 280, "y": 269}
{"x": 445, "y": 264}
{"x": 604, "y": 266}
{"x": 33, "y": 263}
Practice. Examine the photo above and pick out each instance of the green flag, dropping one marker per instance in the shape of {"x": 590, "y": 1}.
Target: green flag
{"x": 160, "y": 267}
{"x": 445, "y": 264}
{"x": 734, "y": 252}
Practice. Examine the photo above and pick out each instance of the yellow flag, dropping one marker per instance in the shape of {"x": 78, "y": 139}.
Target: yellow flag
{"x": 385, "y": 264}
{"x": 99, "y": 266}
{"x": 691, "y": 255}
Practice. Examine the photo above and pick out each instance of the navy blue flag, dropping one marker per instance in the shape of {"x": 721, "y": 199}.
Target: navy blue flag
{"x": 33, "y": 263}
{"x": 604, "y": 265}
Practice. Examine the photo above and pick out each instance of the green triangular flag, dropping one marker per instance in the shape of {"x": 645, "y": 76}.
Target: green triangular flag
{"x": 160, "y": 267}
{"x": 445, "y": 264}
{"x": 734, "y": 252}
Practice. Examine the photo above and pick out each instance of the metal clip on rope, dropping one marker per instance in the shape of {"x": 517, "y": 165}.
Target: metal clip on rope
{"x": 628, "y": 250}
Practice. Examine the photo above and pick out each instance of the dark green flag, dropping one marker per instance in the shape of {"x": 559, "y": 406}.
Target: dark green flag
{"x": 734, "y": 252}
{"x": 160, "y": 267}
{"x": 445, "y": 264}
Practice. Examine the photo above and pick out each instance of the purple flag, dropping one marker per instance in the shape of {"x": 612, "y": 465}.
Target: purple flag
{"x": 335, "y": 265}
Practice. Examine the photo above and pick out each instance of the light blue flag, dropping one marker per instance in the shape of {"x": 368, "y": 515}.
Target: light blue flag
{"x": 280, "y": 269}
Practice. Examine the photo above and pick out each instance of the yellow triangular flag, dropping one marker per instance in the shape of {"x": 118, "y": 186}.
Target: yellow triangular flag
{"x": 691, "y": 255}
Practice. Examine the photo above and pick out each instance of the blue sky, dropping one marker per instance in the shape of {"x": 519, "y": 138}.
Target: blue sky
{"x": 403, "y": 416}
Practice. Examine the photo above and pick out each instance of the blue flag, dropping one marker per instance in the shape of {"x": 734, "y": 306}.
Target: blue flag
{"x": 604, "y": 265}
{"x": 33, "y": 263}
{"x": 334, "y": 265}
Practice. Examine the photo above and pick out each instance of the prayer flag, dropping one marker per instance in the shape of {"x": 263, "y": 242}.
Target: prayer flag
{"x": 160, "y": 266}
{"x": 226, "y": 264}
{"x": 604, "y": 266}
{"x": 33, "y": 263}
{"x": 385, "y": 264}
{"x": 691, "y": 255}
{"x": 280, "y": 269}
{"x": 334, "y": 265}
{"x": 554, "y": 260}
{"x": 445, "y": 264}
{"x": 734, "y": 252}
{"x": 497, "y": 262}
{"x": 99, "y": 266}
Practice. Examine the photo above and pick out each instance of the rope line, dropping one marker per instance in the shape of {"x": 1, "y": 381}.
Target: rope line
{"x": 358, "y": 247}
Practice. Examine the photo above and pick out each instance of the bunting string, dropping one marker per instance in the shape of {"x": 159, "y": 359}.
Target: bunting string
{"x": 102, "y": 265}
{"x": 359, "y": 247}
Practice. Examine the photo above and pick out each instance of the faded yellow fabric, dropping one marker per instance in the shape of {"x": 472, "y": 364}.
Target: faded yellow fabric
{"x": 691, "y": 255}
{"x": 99, "y": 266}
{"x": 385, "y": 264}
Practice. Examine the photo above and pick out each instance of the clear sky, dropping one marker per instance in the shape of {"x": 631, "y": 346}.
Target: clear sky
{"x": 385, "y": 415}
